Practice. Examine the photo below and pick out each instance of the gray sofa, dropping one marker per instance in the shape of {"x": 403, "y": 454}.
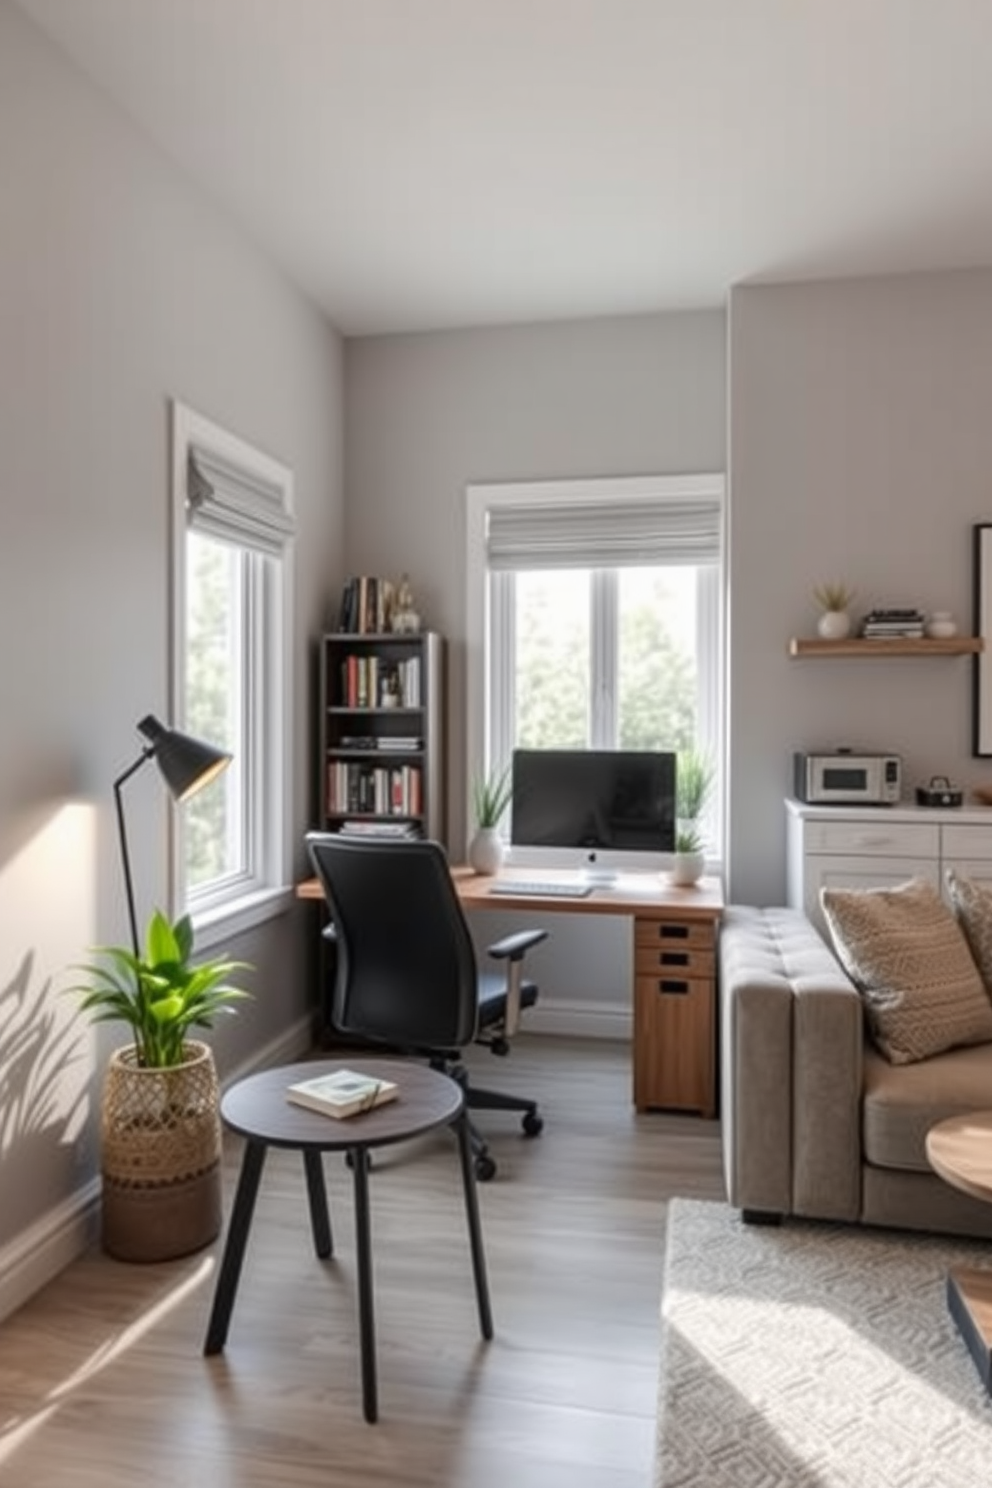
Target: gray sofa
{"x": 815, "y": 1122}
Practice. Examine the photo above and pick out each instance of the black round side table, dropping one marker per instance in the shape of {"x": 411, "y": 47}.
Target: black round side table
{"x": 259, "y": 1110}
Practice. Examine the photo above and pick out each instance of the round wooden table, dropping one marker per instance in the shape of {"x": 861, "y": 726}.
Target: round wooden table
{"x": 259, "y": 1110}
{"x": 960, "y": 1151}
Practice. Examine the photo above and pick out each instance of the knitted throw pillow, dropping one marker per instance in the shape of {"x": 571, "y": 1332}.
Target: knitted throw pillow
{"x": 906, "y": 953}
{"x": 972, "y": 904}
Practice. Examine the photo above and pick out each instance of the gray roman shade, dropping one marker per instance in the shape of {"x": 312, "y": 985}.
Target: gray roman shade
{"x": 604, "y": 534}
{"x": 235, "y": 505}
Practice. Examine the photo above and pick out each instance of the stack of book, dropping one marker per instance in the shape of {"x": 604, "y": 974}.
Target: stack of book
{"x": 904, "y": 623}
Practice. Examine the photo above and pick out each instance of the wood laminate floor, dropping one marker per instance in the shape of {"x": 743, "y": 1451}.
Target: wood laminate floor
{"x": 103, "y": 1381}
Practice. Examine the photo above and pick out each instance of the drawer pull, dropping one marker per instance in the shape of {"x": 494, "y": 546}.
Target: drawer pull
{"x": 673, "y": 958}
{"x": 673, "y": 932}
{"x": 668, "y": 987}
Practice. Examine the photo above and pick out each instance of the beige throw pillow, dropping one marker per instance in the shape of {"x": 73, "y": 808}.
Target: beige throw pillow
{"x": 972, "y": 904}
{"x": 906, "y": 953}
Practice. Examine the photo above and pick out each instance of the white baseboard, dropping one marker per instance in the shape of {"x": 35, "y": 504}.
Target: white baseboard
{"x": 602, "y": 1020}
{"x": 46, "y": 1247}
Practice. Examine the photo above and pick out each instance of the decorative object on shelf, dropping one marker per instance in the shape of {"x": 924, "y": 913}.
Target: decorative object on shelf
{"x": 491, "y": 795}
{"x": 688, "y": 860}
{"x": 897, "y": 623}
{"x": 404, "y": 619}
{"x": 834, "y": 600}
{"x": 941, "y": 625}
{"x": 160, "y": 1133}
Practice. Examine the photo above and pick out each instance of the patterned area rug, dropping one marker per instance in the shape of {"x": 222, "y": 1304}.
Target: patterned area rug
{"x": 816, "y": 1355}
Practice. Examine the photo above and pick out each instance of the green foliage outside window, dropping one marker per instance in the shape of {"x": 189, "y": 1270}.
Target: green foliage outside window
{"x": 211, "y": 674}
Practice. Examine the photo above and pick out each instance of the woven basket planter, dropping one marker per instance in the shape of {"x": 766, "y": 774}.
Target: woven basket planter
{"x": 160, "y": 1156}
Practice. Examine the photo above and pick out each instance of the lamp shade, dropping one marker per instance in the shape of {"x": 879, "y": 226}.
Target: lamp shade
{"x": 187, "y": 764}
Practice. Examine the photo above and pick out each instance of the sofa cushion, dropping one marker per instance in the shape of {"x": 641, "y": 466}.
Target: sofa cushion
{"x": 901, "y": 1105}
{"x": 906, "y": 953}
{"x": 973, "y": 906}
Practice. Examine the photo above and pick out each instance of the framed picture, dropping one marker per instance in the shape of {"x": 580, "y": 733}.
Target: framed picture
{"x": 982, "y": 706}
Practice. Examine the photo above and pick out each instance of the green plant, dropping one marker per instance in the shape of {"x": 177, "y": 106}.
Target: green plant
{"x": 833, "y": 596}
{"x": 491, "y": 795}
{"x": 694, "y": 776}
{"x": 688, "y": 840}
{"x": 161, "y": 995}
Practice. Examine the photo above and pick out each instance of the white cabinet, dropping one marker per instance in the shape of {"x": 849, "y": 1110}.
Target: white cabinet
{"x": 865, "y": 847}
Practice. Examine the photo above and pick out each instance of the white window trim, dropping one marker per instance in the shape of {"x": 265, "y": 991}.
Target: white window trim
{"x": 483, "y": 498}
{"x": 270, "y": 891}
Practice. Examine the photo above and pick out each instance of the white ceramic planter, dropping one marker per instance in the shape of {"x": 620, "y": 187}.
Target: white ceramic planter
{"x": 834, "y": 625}
{"x": 486, "y": 851}
{"x": 687, "y": 868}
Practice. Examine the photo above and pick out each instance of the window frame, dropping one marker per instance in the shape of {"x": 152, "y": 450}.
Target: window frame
{"x": 247, "y": 898}
{"x": 488, "y": 611}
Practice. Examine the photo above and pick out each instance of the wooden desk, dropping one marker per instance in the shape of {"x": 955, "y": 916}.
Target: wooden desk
{"x": 960, "y": 1150}
{"x": 674, "y": 982}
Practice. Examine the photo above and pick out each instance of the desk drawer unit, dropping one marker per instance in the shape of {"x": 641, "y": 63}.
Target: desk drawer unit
{"x": 674, "y": 997}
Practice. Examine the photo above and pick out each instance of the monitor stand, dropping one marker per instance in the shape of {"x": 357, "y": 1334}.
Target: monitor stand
{"x": 599, "y": 878}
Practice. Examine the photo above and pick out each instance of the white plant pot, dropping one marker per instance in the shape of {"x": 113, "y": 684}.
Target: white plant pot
{"x": 834, "y": 625}
{"x": 687, "y": 868}
{"x": 486, "y": 851}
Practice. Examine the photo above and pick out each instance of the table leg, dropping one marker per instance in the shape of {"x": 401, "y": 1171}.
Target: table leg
{"x": 363, "y": 1247}
{"x": 234, "y": 1248}
{"x": 320, "y": 1218}
{"x": 474, "y": 1224}
{"x": 969, "y": 1301}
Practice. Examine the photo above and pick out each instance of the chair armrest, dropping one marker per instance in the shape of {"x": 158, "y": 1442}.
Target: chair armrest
{"x": 512, "y": 949}
{"x": 515, "y": 947}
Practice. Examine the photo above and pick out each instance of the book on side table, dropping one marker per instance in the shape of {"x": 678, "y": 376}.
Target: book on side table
{"x": 343, "y": 1092}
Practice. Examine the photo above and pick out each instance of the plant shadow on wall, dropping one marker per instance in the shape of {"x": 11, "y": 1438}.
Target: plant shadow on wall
{"x": 45, "y": 1094}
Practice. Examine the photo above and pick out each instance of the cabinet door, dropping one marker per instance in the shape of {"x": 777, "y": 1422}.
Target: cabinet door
{"x": 838, "y": 872}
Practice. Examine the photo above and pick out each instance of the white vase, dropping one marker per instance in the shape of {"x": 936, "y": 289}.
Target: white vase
{"x": 486, "y": 851}
{"x": 941, "y": 626}
{"x": 687, "y": 868}
{"x": 834, "y": 625}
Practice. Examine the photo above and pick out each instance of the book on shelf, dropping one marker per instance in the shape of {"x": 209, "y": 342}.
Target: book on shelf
{"x": 342, "y": 1093}
{"x": 366, "y": 605}
{"x": 397, "y": 831}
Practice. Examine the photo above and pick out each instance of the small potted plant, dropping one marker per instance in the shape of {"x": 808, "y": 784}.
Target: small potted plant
{"x": 834, "y": 601}
{"x": 160, "y": 1115}
{"x": 694, "y": 777}
{"x": 491, "y": 795}
{"x": 689, "y": 859}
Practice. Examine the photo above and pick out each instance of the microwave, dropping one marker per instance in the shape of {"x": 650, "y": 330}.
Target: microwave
{"x": 848, "y": 779}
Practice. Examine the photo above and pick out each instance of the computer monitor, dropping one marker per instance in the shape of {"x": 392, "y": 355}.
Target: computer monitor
{"x": 600, "y": 809}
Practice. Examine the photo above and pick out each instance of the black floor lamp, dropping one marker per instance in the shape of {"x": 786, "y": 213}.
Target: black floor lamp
{"x": 187, "y": 764}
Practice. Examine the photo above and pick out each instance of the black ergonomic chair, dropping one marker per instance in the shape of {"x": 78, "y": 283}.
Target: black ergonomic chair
{"x": 406, "y": 973}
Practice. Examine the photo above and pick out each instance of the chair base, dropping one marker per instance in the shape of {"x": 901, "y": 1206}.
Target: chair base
{"x": 477, "y": 1099}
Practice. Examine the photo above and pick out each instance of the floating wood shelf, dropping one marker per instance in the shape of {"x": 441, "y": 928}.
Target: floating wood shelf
{"x": 858, "y": 646}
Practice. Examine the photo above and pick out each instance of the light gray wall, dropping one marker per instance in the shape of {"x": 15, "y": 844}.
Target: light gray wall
{"x": 120, "y": 287}
{"x": 861, "y": 450}
{"x": 427, "y": 415}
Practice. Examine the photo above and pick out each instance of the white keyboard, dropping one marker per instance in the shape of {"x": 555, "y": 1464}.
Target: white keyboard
{"x": 528, "y": 888}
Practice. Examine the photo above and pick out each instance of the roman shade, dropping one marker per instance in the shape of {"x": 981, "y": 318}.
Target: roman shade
{"x": 604, "y": 533}
{"x": 235, "y": 505}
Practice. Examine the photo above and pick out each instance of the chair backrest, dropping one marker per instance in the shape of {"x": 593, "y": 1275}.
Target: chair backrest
{"x": 406, "y": 970}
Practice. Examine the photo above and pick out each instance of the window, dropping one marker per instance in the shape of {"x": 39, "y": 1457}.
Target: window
{"x": 232, "y": 577}
{"x": 595, "y": 618}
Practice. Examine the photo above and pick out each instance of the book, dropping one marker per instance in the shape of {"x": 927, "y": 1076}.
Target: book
{"x": 342, "y": 1093}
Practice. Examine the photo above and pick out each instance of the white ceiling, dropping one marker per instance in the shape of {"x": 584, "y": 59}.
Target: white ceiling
{"x": 420, "y": 164}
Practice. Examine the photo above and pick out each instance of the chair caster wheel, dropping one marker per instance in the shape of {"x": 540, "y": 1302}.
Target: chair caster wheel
{"x": 485, "y": 1168}
{"x": 533, "y": 1124}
